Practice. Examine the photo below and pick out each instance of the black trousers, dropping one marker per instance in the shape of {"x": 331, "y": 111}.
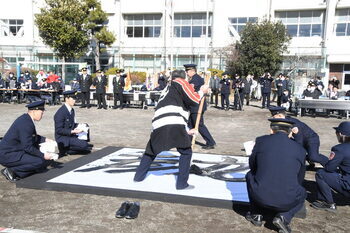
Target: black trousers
{"x": 266, "y": 99}
{"x": 225, "y": 100}
{"x": 184, "y": 167}
{"x": 238, "y": 101}
{"x": 118, "y": 96}
{"x": 101, "y": 100}
{"x": 247, "y": 98}
{"x": 85, "y": 99}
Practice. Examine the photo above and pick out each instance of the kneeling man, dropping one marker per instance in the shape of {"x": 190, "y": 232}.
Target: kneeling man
{"x": 277, "y": 170}
{"x": 66, "y": 131}
{"x": 19, "y": 149}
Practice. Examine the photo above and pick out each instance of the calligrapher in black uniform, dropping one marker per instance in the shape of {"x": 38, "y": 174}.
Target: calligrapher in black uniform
{"x": 336, "y": 173}
{"x": 19, "y": 149}
{"x": 197, "y": 82}
{"x": 100, "y": 82}
{"x": 274, "y": 181}
{"x": 85, "y": 83}
{"x": 118, "y": 88}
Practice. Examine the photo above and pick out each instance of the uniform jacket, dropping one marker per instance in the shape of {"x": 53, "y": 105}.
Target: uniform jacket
{"x": 225, "y": 86}
{"x": 64, "y": 124}
{"x": 341, "y": 161}
{"x": 85, "y": 83}
{"x": 276, "y": 165}
{"x": 21, "y": 138}
{"x": 100, "y": 85}
{"x": 281, "y": 85}
{"x": 118, "y": 85}
{"x": 265, "y": 83}
{"x": 197, "y": 81}
{"x": 306, "y": 136}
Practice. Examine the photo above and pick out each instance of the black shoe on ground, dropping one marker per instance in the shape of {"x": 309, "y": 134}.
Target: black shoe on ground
{"x": 208, "y": 147}
{"x": 121, "y": 212}
{"x": 133, "y": 211}
{"x": 321, "y": 205}
{"x": 256, "y": 219}
{"x": 99, "y": 107}
{"x": 9, "y": 175}
{"x": 115, "y": 107}
{"x": 281, "y": 224}
{"x": 82, "y": 106}
{"x": 88, "y": 106}
{"x": 105, "y": 108}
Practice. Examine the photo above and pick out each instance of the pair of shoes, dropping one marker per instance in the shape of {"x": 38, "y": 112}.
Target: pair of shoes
{"x": 324, "y": 206}
{"x": 105, "y": 108}
{"x": 189, "y": 187}
{"x": 129, "y": 210}
{"x": 99, "y": 107}
{"x": 281, "y": 224}
{"x": 115, "y": 107}
{"x": 256, "y": 219}
{"x": 208, "y": 147}
{"x": 88, "y": 106}
{"x": 9, "y": 175}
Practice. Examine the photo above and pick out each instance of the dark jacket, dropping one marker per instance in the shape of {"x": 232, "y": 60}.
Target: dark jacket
{"x": 21, "y": 138}
{"x": 276, "y": 168}
{"x": 247, "y": 85}
{"x": 225, "y": 86}
{"x": 85, "y": 83}
{"x": 265, "y": 83}
{"x": 197, "y": 82}
{"x": 64, "y": 124}
{"x": 100, "y": 85}
{"x": 118, "y": 85}
{"x": 341, "y": 163}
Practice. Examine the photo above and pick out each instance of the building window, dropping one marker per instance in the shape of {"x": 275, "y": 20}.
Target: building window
{"x": 302, "y": 23}
{"x": 192, "y": 25}
{"x": 147, "y": 25}
{"x": 11, "y": 27}
{"x": 239, "y": 23}
{"x": 342, "y": 22}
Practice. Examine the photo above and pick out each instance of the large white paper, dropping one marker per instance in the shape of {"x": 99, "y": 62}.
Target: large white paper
{"x": 248, "y": 147}
{"x": 48, "y": 147}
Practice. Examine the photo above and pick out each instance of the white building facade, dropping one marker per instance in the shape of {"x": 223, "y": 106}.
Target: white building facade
{"x": 154, "y": 35}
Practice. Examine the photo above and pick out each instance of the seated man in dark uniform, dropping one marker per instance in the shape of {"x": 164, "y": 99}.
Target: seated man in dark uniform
{"x": 66, "y": 133}
{"x": 274, "y": 181}
{"x": 19, "y": 149}
{"x": 336, "y": 173}
{"x": 303, "y": 135}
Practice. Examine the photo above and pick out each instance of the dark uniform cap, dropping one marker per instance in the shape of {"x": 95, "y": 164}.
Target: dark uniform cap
{"x": 190, "y": 66}
{"x": 38, "y": 105}
{"x": 344, "y": 128}
{"x": 71, "y": 93}
{"x": 178, "y": 74}
{"x": 311, "y": 83}
{"x": 281, "y": 122}
{"x": 84, "y": 69}
{"x": 121, "y": 70}
{"x": 225, "y": 73}
{"x": 277, "y": 110}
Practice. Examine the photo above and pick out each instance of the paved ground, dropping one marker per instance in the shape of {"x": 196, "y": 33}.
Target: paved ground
{"x": 48, "y": 211}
